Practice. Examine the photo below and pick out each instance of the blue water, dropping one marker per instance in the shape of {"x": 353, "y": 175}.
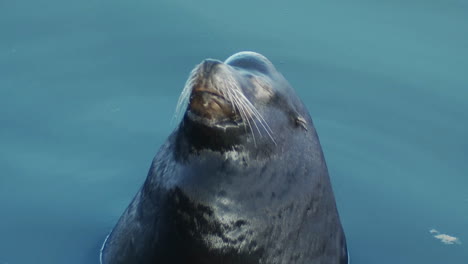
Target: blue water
{"x": 88, "y": 89}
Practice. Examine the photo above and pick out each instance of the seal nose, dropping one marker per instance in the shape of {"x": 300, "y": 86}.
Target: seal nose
{"x": 209, "y": 64}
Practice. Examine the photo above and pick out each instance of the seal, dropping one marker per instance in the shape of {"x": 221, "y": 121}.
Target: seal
{"x": 242, "y": 179}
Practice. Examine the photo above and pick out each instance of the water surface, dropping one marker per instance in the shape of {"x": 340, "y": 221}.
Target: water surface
{"x": 88, "y": 89}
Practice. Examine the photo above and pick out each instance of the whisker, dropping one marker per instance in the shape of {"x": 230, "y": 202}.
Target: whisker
{"x": 250, "y": 115}
{"x": 235, "y": 105}
{"x": 249, "y": 109}
{"x": 185, "y": 94}
{"x": 258, "y": 116}
{"x": 244, "y": 112}
{"x": 263, "y": 122}
{"x": 228, "y": 95}
{"x": 230, "y": 86}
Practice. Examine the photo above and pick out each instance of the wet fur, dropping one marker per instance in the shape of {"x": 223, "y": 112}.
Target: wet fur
{"x": 228, "y": 196}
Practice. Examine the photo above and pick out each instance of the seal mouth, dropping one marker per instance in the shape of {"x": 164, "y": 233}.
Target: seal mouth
{"x": 212, "y": 109}
{"x": 207, "y": 104}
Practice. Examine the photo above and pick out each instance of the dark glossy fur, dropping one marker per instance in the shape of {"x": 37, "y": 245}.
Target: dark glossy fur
{"x": 213, "y": 196}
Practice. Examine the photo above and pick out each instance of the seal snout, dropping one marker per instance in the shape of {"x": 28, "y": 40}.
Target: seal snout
{"x": 208, "y": 102}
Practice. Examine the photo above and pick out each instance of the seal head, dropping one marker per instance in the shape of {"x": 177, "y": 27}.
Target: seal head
{"x": 241, "y": 180}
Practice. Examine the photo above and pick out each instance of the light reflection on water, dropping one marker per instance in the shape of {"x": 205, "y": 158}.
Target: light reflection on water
{"x": 88, "y": 90}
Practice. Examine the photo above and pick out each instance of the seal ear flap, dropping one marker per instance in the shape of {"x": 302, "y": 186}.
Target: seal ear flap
{"x": 300, "y": 121}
